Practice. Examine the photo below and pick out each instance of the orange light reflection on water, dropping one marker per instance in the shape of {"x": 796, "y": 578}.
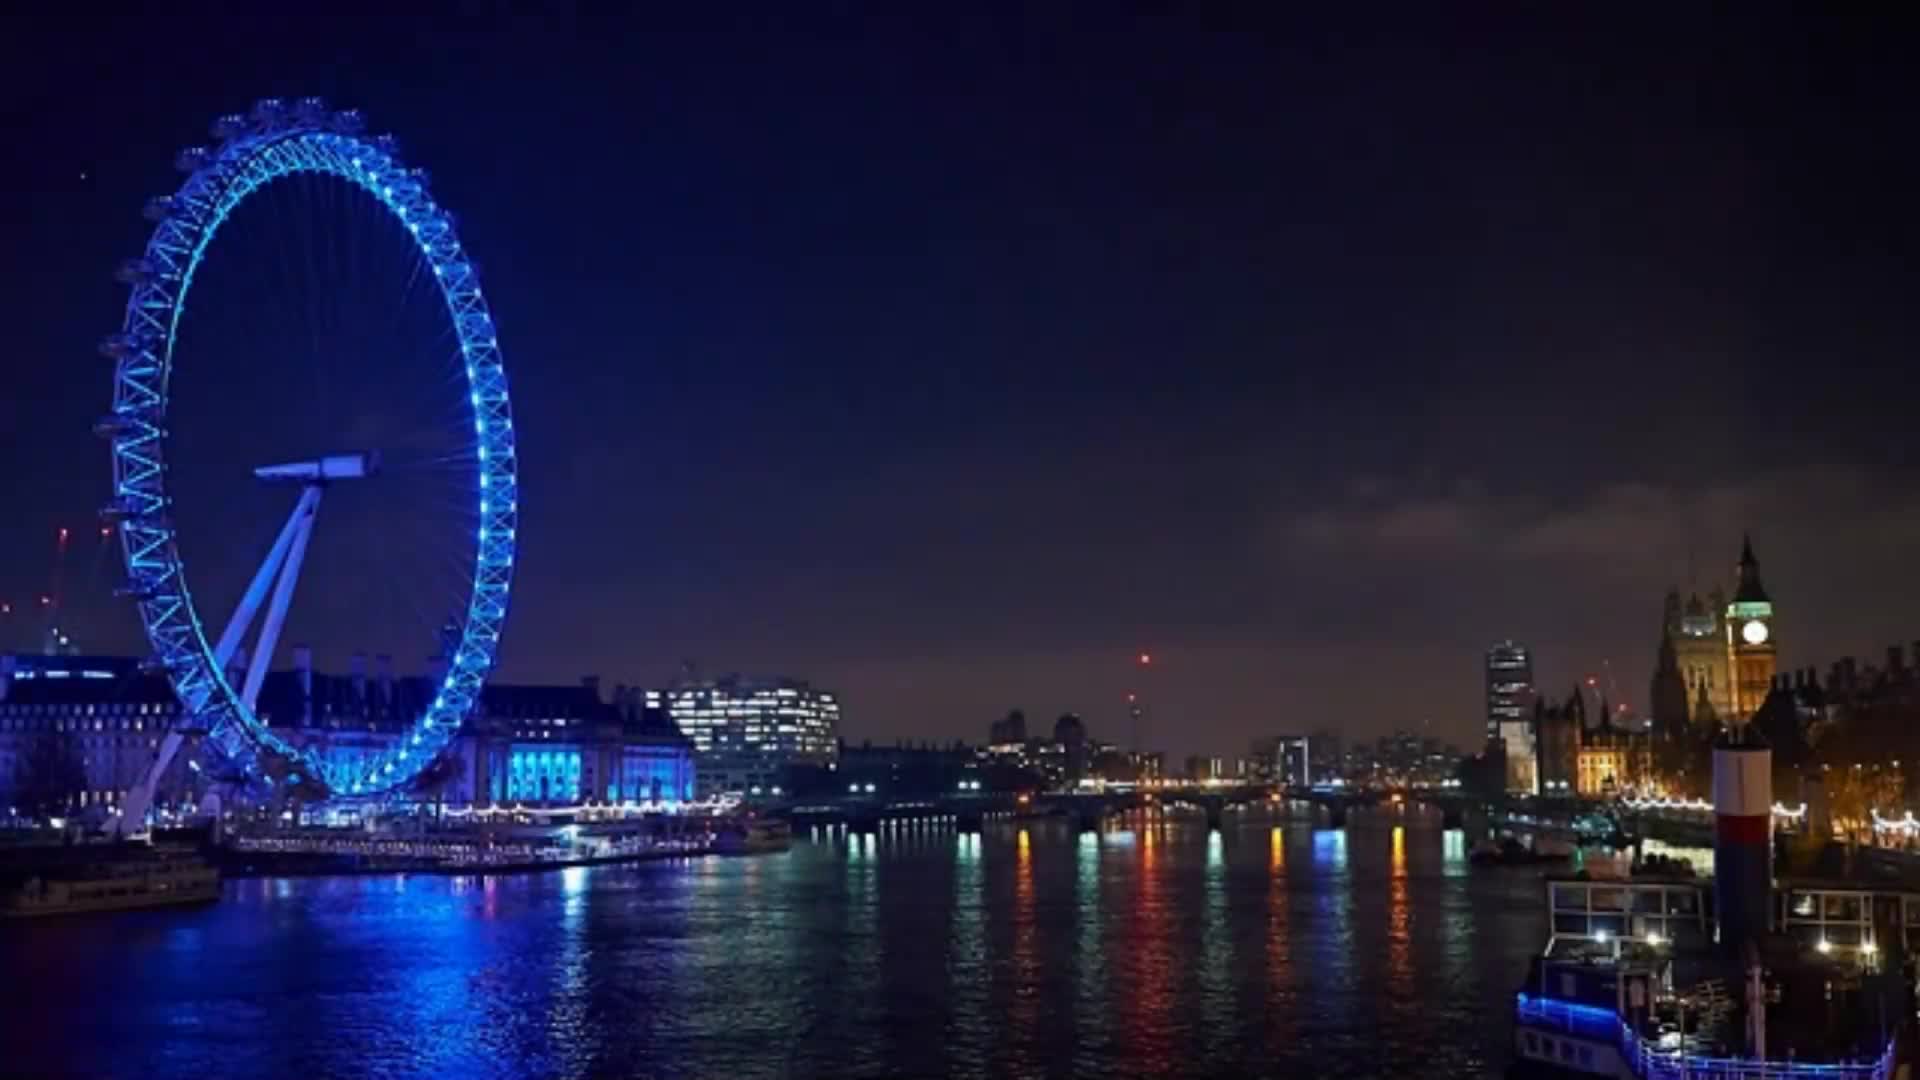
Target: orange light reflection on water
{"x": 1025, "y": 1014}
{"x": 1151, "y": 968}
{"x": 1399, "y": 921}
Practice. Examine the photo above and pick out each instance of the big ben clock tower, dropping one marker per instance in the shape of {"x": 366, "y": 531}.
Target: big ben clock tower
{"x": 1750, "y": 643}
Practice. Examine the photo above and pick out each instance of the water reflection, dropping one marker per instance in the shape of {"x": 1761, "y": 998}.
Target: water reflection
{"x": 1024, "y": 1015}
{"x": 570, "y": 1035}
{"x": 1279, "y": 951}
{"x": 1089, "y": 958}
{"x": 1399, "y": 922}
{"x": 1216, "y": 952}
{"x": 1150, "y": 963}
{"x": 1330, "y": 851}
{"x": 923, "y": 953}
{"x": 968, "y": 1025}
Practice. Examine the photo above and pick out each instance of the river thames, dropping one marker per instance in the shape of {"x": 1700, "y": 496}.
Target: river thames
{"x": 1269, "y": 948}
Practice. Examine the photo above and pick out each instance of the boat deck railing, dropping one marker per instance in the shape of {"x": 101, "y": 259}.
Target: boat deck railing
{"x": 1650, "y": 1062}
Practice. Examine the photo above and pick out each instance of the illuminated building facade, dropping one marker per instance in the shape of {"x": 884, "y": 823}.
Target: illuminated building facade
{"x": 1603, "y": 758}
{"x": 1602, "y": 761}
{"x": 527, "y": 745}
{"x": 749, "y": 732}
{"x": 1510, "y": 697}
{"x": 111, "y": 716}
{"x": 562, "y": 745}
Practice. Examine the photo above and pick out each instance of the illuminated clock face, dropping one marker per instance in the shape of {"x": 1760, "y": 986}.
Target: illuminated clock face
{"x": 1755, "y": 632}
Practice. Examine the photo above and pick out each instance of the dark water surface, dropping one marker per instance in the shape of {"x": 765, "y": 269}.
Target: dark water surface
{"x": 1268, "y": 949}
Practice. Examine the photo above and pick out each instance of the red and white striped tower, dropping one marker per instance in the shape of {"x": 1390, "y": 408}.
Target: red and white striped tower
{"x": 1742, "y": 838}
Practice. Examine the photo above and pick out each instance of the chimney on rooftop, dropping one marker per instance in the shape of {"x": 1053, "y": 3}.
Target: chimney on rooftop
{"x": 303, "y": 668}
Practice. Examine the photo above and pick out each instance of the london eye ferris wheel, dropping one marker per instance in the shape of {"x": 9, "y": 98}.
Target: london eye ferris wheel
{"x": 343, "y": 215}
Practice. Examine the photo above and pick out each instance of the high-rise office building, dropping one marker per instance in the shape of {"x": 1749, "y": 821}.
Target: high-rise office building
{"x": 748, "y": 732}
{"x": 1510, "y": 697}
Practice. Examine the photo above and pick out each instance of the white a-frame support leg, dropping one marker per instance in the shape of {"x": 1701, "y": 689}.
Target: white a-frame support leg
{"x": 280, "y": 571}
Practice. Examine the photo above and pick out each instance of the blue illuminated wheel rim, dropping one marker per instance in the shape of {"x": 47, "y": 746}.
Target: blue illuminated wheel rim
{"x": 272, "y": 142}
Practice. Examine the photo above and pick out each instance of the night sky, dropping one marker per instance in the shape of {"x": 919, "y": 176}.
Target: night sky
{"x": 949, "y": 364}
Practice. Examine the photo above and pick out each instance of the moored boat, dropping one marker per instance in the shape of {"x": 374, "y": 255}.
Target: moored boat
{"x": 1754, "y": 975}
{"x": 121, "y": 885}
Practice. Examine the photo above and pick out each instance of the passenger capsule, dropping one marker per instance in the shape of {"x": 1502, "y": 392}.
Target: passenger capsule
{"x": 158, "y": 208}
{"x": 230, "y": 126}
{"x": 268, "y": 111}
{"x": 387, "y": 145}
{"x": 119, "y": 346}
{"x": 111, "y": 426}
{"x": 191, "y": 160}
{"x": 348, "y": 122}
{"x": 119, "y": 510}
{"x": 134, "y": 272}
{"x": 310, "y": 110}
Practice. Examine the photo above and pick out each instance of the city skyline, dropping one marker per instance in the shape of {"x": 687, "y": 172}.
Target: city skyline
{"x": 1493, "y": 357}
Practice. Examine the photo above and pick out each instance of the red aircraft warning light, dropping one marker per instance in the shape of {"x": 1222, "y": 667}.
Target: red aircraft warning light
{"x": 1145, "y": 659}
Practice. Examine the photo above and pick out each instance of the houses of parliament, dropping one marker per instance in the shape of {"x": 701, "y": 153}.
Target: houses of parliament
{"x": 1717, "y": 656}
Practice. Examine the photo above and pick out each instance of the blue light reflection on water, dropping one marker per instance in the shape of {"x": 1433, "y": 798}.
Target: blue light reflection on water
{"x": 1163, "y": 950}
